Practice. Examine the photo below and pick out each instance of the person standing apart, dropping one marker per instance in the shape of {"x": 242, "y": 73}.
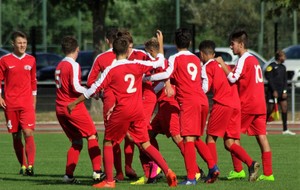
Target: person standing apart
{"x": 18, "y": 71}
{"x": 79, "y": 125}
{"x": 248, "y": 76}
{"x": 277, "y": 88}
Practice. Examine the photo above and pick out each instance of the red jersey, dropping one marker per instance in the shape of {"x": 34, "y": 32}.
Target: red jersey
{"x": 68, "y": 82}
{"x": 214, "y": 79}
{"x": 102, "y": 61}
{"x": 248, "y": 76}
{"x": 185, "y": 68}
{"x": 124, "y": 77}
{"x": 20, "y": 84}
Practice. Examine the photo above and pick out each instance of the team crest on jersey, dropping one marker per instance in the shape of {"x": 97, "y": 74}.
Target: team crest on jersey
{"x": 269, "y": 68}
{"x": 27, "y": 67}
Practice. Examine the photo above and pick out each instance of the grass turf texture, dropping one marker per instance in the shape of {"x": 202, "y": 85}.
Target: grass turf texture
{"x": 51, "y": 159}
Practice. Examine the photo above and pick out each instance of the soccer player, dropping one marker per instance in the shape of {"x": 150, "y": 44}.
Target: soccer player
{"x": 18, "y": 70}
{"x": 79, "y": 124}
{"x": 184, "y": 69}
{"x": 125, "y": 79}
{"x": 248, "y": 76}
{"x": 225, "y": 116}
{"x": 149, "y": 102}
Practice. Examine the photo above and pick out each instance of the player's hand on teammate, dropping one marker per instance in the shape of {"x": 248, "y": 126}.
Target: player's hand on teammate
{"x": 220, "y": 60}
{"x": 2, "y": 103}
{"x": 70, "y": 107}
{"x": 168, "y": 89}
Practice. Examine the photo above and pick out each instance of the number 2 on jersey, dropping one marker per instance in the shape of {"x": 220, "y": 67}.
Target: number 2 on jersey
{"x": 130, "y": 88}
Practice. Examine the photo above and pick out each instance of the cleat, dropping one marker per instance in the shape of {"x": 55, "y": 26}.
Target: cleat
{"x": 253, "y": 170}
{"x": 172, "y": 179}
{"x": 130, "y": 173}
{"x": 141, "y": 181}
{"x": 29, "y": 171}
{"x": 288, "y": 132}
{"x": 189, "y": 182}
{"x": 212, "y": 175}
{"x": 236, "y": 175}
{"x": 266, "y": 178}
{"x": 200, "y": 176}
{"x": 154, "y": 170}
{"x": 99, "y": 176}
{"x": 23, "y": 170}
{"x": 105, "y": 184}
{"x": 119, "y": 177}
{"x": 70, "y": 180}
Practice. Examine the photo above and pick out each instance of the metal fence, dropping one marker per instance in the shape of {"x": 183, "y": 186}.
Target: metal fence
{"x": 46, "y": 99}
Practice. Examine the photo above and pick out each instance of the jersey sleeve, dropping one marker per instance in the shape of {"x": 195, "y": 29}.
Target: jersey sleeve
{"x": 206, "y": 78}
{"x": 93, "y": 75}
{"x": 33, "y": 79}
{"x": 166, "y": 74}
{"x": 76, "y": 79}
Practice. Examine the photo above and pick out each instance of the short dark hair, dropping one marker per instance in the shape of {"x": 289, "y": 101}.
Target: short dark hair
{"x": 207, "y": 46}
{"x": 152, "y": 43}
{"x": 111, "y": 34}
{"x": 279, "y": 54}
{"x": 121, "y": 44}
{"x": 183, "y": 37}
{"x": 241, "y": 36}
{"x": 126, "y": 33}
{"x": 69, "y": 44}
{"x": 16, "y": 34}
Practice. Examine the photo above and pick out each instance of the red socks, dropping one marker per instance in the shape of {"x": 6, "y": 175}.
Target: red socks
{"x": 72, "y": 158}
{"x": 95, "y": 154}
{"x": 213, "y": 150}
{"x": 128, "y": 152}
{"x": 180, "y": 145}
{"x": 241, "y": 154}
{"x": 237, "y": 163}
{"x": 267, "y": 163}
{"x": 19, "y": 150}
{"x": 190, "y": 159}
{"x": 117, "y": 158}
{"x": 30, "y": 149}
{"x": 204, "y": 152}
{"x": 108, "y": 162}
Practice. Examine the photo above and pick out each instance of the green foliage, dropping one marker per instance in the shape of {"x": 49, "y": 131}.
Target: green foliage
{"x": 51, "y": 159}
{"x": 214, "y": 19}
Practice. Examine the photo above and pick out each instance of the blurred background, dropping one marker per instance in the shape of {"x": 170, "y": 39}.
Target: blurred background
{"x": 271, "y": 25}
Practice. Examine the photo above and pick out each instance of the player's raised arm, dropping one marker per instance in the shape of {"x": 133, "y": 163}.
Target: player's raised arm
{"x": 160, "y": 39}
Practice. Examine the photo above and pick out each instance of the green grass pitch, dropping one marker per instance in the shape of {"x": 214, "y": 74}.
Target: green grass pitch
{"x": 51, "y": 158}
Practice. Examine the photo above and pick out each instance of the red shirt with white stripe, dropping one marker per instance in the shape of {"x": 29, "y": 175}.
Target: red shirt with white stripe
{"x": 248, "y": 76}
{"x": 20, "y": 84}
{"x": 184, "y": 68}
{"x": 68, "y": 82}
{"x": 102, "y": 61}
{"x": 124, "y": 77}
{"x": 214, "y": 79}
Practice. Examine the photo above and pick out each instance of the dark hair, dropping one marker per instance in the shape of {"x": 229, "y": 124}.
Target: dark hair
{"x": 240, "y": 36}
{"x": 69, "y": 44}
{"x": 183, "y": 38}
{"x": 152, "y": 43}
{"x": 125, "y": 32}
{"x": 111, "y": 34}
{"x": 207, "y": 46}
{"x": 120, "y": 44}
{"x": 16, "y": 34}
{"x": 279, "y": 54}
